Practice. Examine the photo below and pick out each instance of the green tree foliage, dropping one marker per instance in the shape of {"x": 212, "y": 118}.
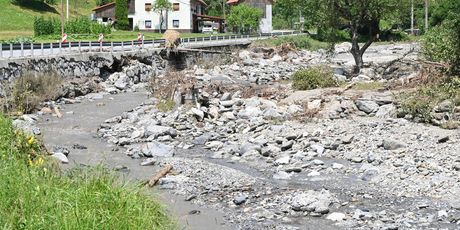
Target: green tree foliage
{"x": 103, "y": 2}
{"x": 216, "y": 8}
{"x": 288, "y": 11}
{"x": 162, "y": 6}
{"x": 244, "y": 18}
{"x": 362, "y": 18}
{"x": 442, "y": 44}
{"x": 442, "y": 10}
{"x": 121, "y": 13}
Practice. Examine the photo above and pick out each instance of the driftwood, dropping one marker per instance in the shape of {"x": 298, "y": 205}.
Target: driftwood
{"x": 58, "y": 113}
{"x": 154, "y": 180}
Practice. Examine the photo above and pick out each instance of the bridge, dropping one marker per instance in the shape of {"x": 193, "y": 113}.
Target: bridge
{"x": 39, "y": 50}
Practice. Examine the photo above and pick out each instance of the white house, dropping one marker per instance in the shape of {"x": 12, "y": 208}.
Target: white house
{"x": 180, "y": 17}
{"x": 266, "y": 6}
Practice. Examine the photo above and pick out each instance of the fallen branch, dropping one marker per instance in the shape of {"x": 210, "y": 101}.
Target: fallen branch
{"x": 154, "y": 180}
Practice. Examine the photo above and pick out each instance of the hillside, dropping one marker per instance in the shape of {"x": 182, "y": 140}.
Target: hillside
{"x": 17, "y": 20}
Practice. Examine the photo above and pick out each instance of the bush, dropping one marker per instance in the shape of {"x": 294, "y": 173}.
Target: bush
{"x": 82, "y": 25}
{"x": 32, "y": 88}
{"x": 34, "y": 196}
{"x": 420, "y": 103}
{"x": 313, "y": 78}
{"x": 442, "y": 44}
{"x": 43, "y": 26}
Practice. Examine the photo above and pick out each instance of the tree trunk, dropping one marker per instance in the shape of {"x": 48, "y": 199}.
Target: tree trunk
{"x": 355, "y": 50}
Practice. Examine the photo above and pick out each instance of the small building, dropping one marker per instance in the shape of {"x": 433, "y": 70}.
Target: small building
{"x": 105, "y": 14}
{"x": 266, "y": 6}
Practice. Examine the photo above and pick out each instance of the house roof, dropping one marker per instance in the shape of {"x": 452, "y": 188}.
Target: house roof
{"x": 104, "y": 6}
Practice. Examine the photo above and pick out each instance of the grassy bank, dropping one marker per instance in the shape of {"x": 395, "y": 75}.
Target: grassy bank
{"x": 34, "y": 195}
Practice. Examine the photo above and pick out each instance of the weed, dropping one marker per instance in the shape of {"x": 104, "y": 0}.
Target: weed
{"x": 166, "y": 105}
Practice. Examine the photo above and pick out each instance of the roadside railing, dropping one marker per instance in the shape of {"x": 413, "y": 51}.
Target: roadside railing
{"x": 20, "y": 50}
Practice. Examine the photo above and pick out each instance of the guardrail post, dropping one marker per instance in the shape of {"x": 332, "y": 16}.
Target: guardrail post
{"x": 1, "y": 50}
{"x": 51, "y": 47}
{"x": 142, "y": 42}
{"x": 60, "y": 47}
{"x": 111, "y": 47}
{"x": 100, "y": 46}
{"x": 11, "y": 49}
{"x": 79, "y": 46}
{"x": 70, "y": 46}
{"x": 32, "y": 49}
{"x": 22, "y": 49}
{"x": 90, "y": 46}
{"x": 122, "y": 47}
{"x": 132, "y": 45}
{"x": 41, "y": 48}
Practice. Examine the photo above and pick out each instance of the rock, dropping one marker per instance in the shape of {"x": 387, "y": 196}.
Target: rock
{"x": 148, "y": 162}
{"x": 200, "y": 72}
{"x": 61, "y": 157}
{"x": 390, "y": 144}
{"x": 386, "y": 111}
{"x": 281, "y": 175}
{"x": 287, "y": 145}
{"x": 239, "y": 200}
{"x": 283, "y": 160}
{"x": 122, "y": 82}
{"x": 443, "y": 139}
{"x": 356, "y": 159}
{"x": 318, "y": 149}
{"x": 157, "y": 131}
{"x": 347, "y": 139}
{"x": 361, "y": 215}
{"x": 249, "y": 112}
{"x": 226, "y": 97}
{"x": 314, "y": 105}
{"x": 157, "y": 149}
{"x": 367, "y": 106}
{"x": 336, "y": 216}
{"x": 293, "y": 109}
{"x": 445, "y": 106}
{"x": 337, "y": 166}
{"x": 314, "y": 173}
{"x": 227, "y": 103}
{"x": 198, "y": 113}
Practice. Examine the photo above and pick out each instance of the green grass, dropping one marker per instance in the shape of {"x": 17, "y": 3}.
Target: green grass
{"x": 166, "y": 105}
{"x": 33, "y": 195}
{"x": 300, "y": 42}
{"x": 374, "y": 85}
{"x": 18, "y": 20}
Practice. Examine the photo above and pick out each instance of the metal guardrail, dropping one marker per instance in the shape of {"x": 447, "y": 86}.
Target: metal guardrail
{"x": 19, "y": 50}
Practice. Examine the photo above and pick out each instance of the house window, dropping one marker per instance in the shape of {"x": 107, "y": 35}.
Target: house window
{"x": 176, "y": 7}
{"x": 148, "y": 6}
{"x": 176, "y": 23}
{"x": 148, "y": 24}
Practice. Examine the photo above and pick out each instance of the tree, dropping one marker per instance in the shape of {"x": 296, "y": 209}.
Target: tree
{"x": 161, "y": 6}
{"x": 244, "y": 17}
{"x": 103, "y": 2}
{"x": 359, "y": 16}
{"x": 121, "y": 13}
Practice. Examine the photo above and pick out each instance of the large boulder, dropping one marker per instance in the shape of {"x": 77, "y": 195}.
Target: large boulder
{"x": 157, "y": 149}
